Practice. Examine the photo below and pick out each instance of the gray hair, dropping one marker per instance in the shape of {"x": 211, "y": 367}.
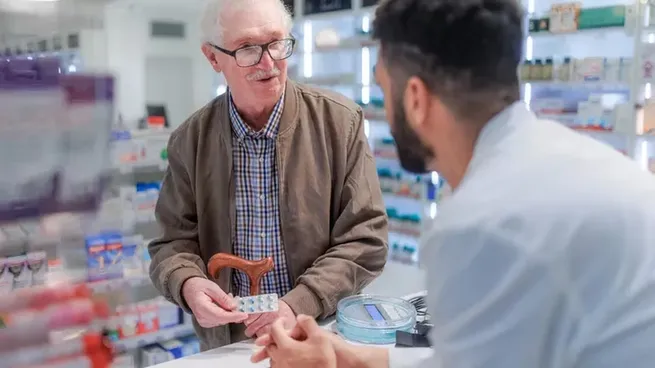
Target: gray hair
{"x": 211, "y": 27}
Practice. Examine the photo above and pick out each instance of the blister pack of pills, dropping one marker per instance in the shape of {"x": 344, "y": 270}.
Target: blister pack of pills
{"x": 257, "y": 304}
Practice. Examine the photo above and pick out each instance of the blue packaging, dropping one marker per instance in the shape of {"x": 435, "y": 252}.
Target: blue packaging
{"x": 132, "y": 265}
{"x": 145, "y": 255}
{"x": 113, "y": 255}
{"x": 95, "y": 257}
{"x": 191, "y": 345}
{"x": 175, "y": 348}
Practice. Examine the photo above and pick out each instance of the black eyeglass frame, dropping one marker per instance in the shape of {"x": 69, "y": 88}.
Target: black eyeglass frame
{"x": 264, "y": 48}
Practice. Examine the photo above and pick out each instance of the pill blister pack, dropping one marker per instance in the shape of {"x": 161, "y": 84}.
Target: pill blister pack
{"x": 257, "y": 304}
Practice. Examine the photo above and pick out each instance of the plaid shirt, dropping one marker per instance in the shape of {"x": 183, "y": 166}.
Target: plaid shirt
{"x": 257, "y": 233}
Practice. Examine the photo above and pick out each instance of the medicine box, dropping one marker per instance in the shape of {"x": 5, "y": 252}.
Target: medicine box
{"x": 113, "y": 255}
{"x": 132, "y": 263}
{"x": 6, "y": 278}
{"x": 18, "y": 269}
{"x": 37, "y": 266}
{"x": 95, "y": 257}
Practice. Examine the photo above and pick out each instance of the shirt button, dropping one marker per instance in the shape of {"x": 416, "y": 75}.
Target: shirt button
{"x": 261, "y": 197}
{"x": 262, "y": 234}
{"x": 261, "y": 159}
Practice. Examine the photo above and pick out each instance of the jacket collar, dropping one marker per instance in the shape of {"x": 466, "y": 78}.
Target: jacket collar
{"x": 288, "y": 120}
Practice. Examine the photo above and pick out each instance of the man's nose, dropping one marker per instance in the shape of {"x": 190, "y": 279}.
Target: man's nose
{"x": 266, "y": 62}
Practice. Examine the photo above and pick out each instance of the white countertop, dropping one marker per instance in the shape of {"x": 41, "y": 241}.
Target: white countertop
{"x": 397, "y": 280}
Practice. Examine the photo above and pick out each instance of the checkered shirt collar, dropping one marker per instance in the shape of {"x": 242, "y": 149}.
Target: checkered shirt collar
{"x": 241, "y": 129}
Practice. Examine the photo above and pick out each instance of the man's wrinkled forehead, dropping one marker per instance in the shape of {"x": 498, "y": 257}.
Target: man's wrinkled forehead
{"x": 259, "y": 33}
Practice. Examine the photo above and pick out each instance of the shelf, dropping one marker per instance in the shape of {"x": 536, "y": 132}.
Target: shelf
{"x": 335, "y": 80}
{"x": 118, "y": 284}
{"x": 579, "y": 32}
{"x": 351, "y": 43}
{"x": 374, "y": 113}
{"x": 135, "y": 342}
{"x": 141, "y": 168}
{"x": 580, "y": 84}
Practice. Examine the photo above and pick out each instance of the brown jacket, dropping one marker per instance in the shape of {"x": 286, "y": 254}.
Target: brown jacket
{"x": 334, "y": 224}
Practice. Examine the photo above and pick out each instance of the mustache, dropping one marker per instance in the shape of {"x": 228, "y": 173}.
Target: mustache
{"x": 263, "y": 74}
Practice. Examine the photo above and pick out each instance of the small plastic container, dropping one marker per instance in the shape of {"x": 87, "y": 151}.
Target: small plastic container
{"x": 374, "y": 319}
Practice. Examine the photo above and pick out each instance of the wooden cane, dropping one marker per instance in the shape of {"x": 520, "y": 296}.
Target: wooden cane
{"x": 254, "y": 269}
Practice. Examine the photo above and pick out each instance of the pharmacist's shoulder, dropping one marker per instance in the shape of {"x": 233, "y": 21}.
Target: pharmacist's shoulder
{"x": 540, "y": 206}
{"x": 198, "y": 125}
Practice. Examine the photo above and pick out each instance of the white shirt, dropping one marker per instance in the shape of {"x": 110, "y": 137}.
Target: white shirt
{"x": 544, "y": 256}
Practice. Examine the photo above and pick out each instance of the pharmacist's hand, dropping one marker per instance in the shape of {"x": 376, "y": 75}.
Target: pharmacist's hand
{"x": 210, "y": 304}
{"x": 260, "y": 324}
{"x": 347, "y": 355}
{"x": 307, "y": 345}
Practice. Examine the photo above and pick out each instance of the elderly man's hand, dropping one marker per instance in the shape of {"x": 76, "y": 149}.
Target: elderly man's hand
{"x": 210, "y": 304}
{"x": 260, "y": 324}
{"x": 307, "y": 345}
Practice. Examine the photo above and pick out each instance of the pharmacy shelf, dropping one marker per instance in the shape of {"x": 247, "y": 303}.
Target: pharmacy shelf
{"x": 136, "y": 342}
{"x": 352, "y": 43}
{"x": 105, "y": 286}
{"x": 577, "y": 84}
{"x": 374, "y": 113}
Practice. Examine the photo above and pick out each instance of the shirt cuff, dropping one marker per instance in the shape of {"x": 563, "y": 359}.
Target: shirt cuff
{"x": 176, "y": 281}
{"x": 302, "y": 300}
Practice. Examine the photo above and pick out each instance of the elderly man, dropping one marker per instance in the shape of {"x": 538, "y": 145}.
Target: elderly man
{"x": 544, "y": 255}
{"x": 271, "y": 168}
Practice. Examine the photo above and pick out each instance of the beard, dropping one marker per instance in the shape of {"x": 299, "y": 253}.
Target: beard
{"x": 412, "y": 153}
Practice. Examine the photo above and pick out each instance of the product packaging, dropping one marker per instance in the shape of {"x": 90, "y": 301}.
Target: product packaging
{"x": 113, "y": 255}
{"x": 145, "y": 256}
{"x": 168, "y": 313}
{"x": 152, "y": 355}
{"x": 124, "y": 361}
{"x": 41, "y": 297}
{"x": 18, "y": 268}
{"x": 132, "y": 261}
{"x": 37, "y": 266}
{"x": 128, "y": 319}
{"x": 55, "y": 130}
{"x": 148, "y": 317}
{"x": 86, "y": 131}
{"x": 174, "y": 348}
{"x": 95, "y": 253}
{"x": 6, "y": 278}
{"x": 191, "y": 345}
{"x": 33, "y": 106}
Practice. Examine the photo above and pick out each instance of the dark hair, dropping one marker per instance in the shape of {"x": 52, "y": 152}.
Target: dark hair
{"x": 465, "y": 51}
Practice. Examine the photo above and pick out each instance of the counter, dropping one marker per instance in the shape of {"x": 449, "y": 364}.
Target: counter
{"x": 397, "y": 280}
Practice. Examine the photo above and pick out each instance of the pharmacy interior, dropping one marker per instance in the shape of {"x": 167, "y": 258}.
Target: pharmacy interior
{"x": 78, "y": 214}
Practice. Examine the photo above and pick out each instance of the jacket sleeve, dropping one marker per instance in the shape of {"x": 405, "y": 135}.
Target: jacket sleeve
{"x": 359, "y": 237}
{"x": 175, "y": 254}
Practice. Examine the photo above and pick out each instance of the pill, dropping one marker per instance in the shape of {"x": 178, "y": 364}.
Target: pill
{"x": 259, "y": 303}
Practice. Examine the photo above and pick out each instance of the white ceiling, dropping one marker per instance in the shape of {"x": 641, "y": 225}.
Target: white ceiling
{"x": 27, "y": 19}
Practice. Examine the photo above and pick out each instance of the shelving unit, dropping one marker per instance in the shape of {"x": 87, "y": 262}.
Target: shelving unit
{"x": 582, "y": 82}
{"x": 337, "y": 53}
{"x": 117, "y": 234}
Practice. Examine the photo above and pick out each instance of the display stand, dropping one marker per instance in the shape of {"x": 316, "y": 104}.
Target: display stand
{"x": 74, "y": 213}
{"x": 54, "y": 133}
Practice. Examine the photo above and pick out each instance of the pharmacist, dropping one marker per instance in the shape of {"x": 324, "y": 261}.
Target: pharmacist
{"x": 270, "y": 168}
{"x": 544, "y": 256}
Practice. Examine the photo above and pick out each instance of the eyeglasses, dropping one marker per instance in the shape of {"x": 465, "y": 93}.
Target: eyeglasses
{"x": 251, "y": 55}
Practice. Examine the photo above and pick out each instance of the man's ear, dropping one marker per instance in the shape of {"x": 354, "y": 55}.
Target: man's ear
{"x": 416, "y": 102}
{"x": 211, "y": 57}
